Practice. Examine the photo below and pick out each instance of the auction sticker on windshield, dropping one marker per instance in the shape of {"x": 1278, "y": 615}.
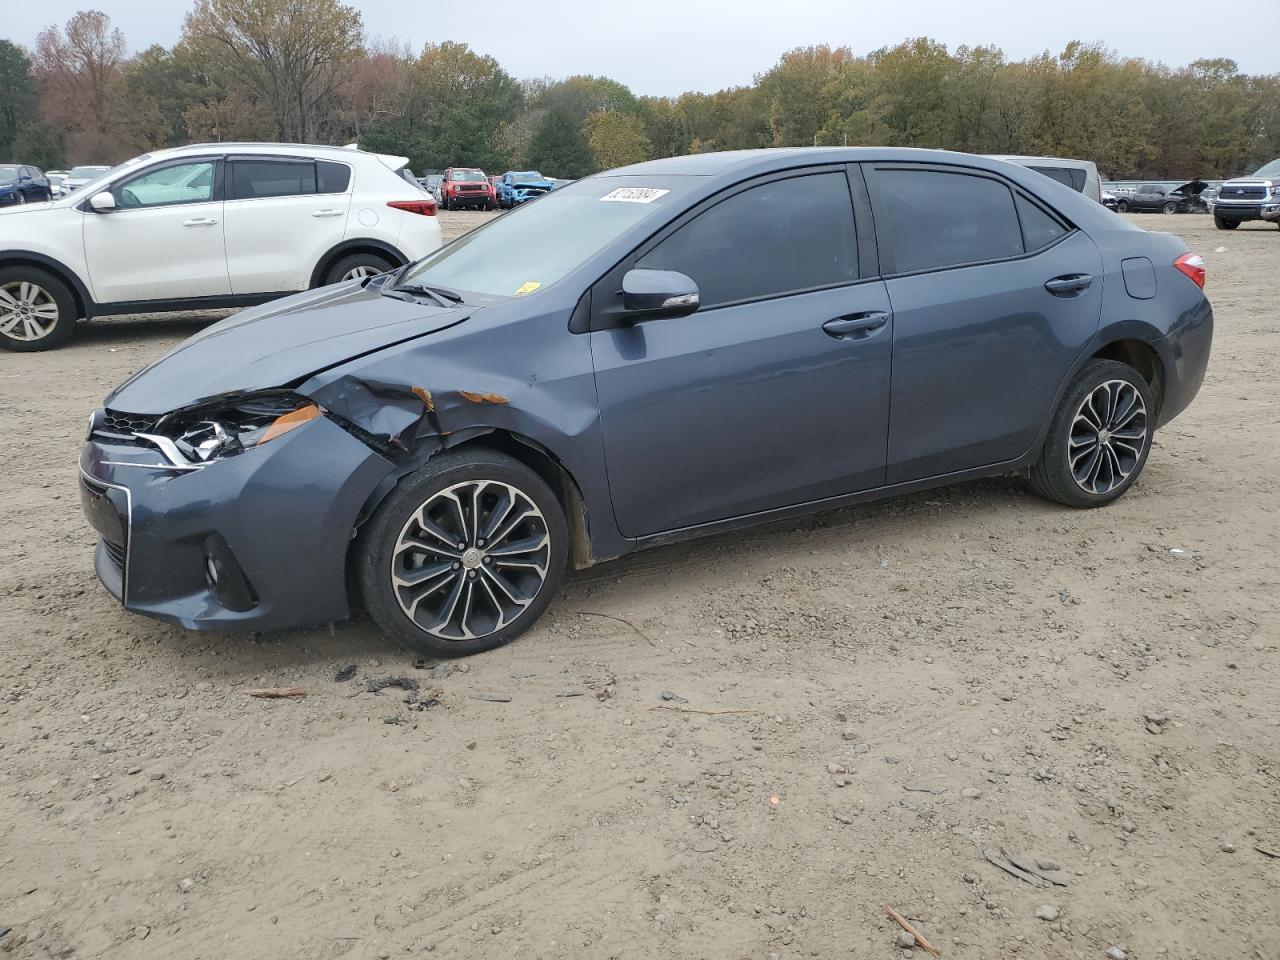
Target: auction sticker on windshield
{"x": 634, "y": 195}
{"x": 529, "y": 287}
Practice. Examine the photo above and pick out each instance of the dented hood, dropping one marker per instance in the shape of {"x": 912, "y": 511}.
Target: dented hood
{"x": 279, "y": 344}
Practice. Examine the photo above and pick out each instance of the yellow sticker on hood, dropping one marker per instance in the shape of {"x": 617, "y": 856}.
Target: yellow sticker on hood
{"x": 529, "y": 287}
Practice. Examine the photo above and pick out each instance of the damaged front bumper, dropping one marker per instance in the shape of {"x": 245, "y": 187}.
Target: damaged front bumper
{"x": 257, "y": 541}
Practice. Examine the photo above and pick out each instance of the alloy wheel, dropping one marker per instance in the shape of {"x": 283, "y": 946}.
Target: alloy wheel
{"x": 360, "y": 273}
{"x": 1108, "y": 437}
{"x": 471, "y": 559}
{"x": 28, "y": 311}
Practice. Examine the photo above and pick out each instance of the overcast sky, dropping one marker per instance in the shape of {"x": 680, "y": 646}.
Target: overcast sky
{"x": 670, "y": 46}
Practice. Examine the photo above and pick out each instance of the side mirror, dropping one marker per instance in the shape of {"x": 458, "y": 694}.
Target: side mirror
{"x": 654, "y": 294}
{"x": 103, "y": 202}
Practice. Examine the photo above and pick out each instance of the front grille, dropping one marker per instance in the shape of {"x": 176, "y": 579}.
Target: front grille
{"x": 1247, "y": 192}
{"x": 117, "y": 426}
{"x": 121, "y": 422}
{"x": 471, "y": 186}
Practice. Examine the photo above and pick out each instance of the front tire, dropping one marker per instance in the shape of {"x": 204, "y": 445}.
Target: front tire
{"x": 464, "y": 555}
{"x": 37, "y": 310}
{"x": 358, "y": 266}
{"x": 1222, "y": 224}
{"x": 1170, "y": 207}
{"x": 1099, "y": 439}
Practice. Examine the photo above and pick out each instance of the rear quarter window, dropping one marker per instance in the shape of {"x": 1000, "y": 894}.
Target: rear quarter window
{"x": 332, "y": 177}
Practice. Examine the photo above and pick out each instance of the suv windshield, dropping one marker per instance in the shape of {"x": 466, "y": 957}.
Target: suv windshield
{"x": 467, "y": 175}
{"x": 1270, "y": 170}
{"x": 541, "y": 242}
{"x": 8, "y": 173}
{"x": 527, "y": 175}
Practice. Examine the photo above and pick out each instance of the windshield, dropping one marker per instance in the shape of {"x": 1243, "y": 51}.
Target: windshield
{"x": 539, "y": 243}
{"x": 1270, "y": 171}
{"x": 468, "y": 175}
{"x": 8, "y": 173}
{"x": 527, "y": 175}
{"x": 99, "y": 174}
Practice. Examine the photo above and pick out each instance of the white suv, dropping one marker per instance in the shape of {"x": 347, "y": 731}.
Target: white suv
{"x": 209, "y": 225}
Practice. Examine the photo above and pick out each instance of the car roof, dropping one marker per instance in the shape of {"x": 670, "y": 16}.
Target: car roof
{"x": 748, "y": 162}
{"x": 280, "y": 149}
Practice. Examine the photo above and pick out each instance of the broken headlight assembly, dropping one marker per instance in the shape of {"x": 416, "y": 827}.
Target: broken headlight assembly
{"x": 198, "y": 436}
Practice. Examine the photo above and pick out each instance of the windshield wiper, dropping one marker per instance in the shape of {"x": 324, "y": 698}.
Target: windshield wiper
{"x": 441, "y": 295}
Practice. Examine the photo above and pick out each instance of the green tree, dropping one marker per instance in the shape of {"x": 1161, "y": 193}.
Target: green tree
{"x": 467, "y": 98}
{"x": 616, "y": 139}
{"x": 18, "y": 98}
{"x": 558, "y": 148}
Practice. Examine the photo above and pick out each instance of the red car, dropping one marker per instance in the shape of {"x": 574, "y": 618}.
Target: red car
{"x": 467, "y": 187}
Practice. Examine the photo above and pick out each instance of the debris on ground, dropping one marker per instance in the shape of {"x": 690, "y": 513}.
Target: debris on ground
{"x": 491, "y": 697}
{"x": 277, "y": 693}
{"x": 345, "y": 674}
{"x": 915, "y": 934}
{"x": 921, "y": 788}
{"x": 673, "y": 697}
{"x": 378, "y": 684}
{"x": 1273, "y": 854}
{"x": 1037, "y": 873}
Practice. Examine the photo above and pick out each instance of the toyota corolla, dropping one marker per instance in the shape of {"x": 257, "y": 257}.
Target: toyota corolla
{"x": 658, "y": 352}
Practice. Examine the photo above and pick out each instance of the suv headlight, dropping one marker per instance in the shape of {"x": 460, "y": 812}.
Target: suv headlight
{"x": 204, "y": 434}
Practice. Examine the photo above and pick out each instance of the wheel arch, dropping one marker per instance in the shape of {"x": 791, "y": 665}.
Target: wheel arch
{"x": 357, "y": 245}
{"x": 1140, "y": 355}
{"x": 534, "y": 455}
{"x": 17, "y": 258}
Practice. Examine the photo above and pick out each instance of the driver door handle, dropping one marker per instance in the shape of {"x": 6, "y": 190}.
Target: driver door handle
{"x": 200, "y": 222}
{"x": 327, "y": 213}
{"x": 856, "y": 325}
{"x": 1069, "y": 285}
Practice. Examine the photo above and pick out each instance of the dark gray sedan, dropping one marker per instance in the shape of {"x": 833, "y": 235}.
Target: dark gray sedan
{"x": 658, "y": 352}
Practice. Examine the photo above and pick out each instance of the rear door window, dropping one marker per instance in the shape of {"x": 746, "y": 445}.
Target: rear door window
{"x": 780, "y": 237}
{"x": 256, "y": 179}
{"x": 937, "y": 218}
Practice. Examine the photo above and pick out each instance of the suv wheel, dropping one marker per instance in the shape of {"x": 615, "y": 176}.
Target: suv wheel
{"x": 1170, "y": 207}
{"x": 1099, "y": 439}
{"x": 358, "y": 266}
{"x": 464, "y": 555}
{"x": 1222, "y": 224}
{"x": 37, "y": 310}
{"x": 1122, "y": 206}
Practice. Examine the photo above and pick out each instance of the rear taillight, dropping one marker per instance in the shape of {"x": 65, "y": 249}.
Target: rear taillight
{"x": 425, "y": 207}
{"x": 1192, "y": 265}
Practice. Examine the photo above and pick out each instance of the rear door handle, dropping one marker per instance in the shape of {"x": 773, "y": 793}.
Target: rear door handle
{"x": 327, "y": 213}
{"x": 856, "y": 325}
{"x": 1068, "y": 285}
{"x": 200, "y": 222}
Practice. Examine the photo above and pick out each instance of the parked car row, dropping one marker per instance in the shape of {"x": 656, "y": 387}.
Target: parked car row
{"x": 462, "y": 188}
{"x": 209, "y": 225}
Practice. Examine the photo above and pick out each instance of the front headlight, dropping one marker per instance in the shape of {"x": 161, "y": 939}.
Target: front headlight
{"x": 197, "y": 436}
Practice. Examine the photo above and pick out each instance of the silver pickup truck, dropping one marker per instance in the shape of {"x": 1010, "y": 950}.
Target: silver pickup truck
{"x": 1249, "y": 198}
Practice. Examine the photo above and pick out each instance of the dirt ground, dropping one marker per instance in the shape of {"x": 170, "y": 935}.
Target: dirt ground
{"x": 874, "y": 697}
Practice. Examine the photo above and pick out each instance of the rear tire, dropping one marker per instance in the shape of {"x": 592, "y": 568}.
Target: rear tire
{"x": 428, "y": 592}
{"x": 1222, "y": 224}
{"x": 358, "y": 266}
{"x": 37, "y": 310}
{"x": 1099, "y": 439}
{"x": 1170, "y": 207}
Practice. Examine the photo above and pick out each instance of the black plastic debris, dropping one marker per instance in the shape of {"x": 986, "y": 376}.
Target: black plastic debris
{"x": 379, "y": 684}
{"x": 345, "y": 674}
